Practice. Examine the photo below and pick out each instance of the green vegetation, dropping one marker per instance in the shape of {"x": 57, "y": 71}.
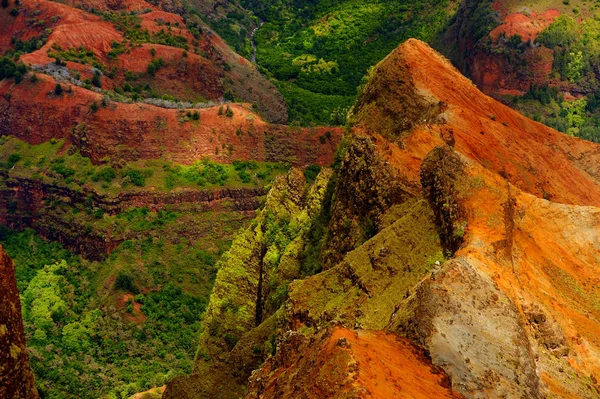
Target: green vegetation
{"x": 131, "y": 321}
{"x": 127, "y": 323}
{"x": 576, "y": 49}
{"x": 319, "y": 51}
{"x": 10, "y": 69}
{"x": 131, "y": 26}
{"x": 19, "y": 47}
{"x": 46, "y": 162}
{"x": 154, "y": 66}
{"x": 263, "y": 258}
{"x": 80, "y": 55}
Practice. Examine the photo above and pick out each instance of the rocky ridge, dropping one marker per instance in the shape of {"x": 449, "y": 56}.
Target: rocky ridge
{"x": 480, "y": 248}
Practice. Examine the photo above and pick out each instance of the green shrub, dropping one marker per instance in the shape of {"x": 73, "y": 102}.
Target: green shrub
{"x": 154, "y": 66}
{"x": 13, "y": 159}
{"x": 138, "y": 177}
{"x": 124, "y": 282}
{"x": 107, "y": 174}
{"x": 94, "y": 107}
{"x": 311, "y": 173}
{"x": 562, "y": 32}
{"x": 59, "y": 167}
{"x": 244, "y": 176}
{"x": 96, "y": 79}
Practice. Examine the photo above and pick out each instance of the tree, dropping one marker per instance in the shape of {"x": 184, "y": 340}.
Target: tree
{"x": 575, "y": 66}
{"x": 96, "y": 79}
{"x": 43, "y": 302}
{"x": 58, "y": 89}
{"x": 4, "y": 3}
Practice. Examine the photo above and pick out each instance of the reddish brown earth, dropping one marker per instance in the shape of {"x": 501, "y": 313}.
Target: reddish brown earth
{"x": 496, "y": 68}
{"x": 345, "y": 363}
{"x": 136, "y": 316}
{"x": 528, "y": 26}
{"x": 35, "y": 114}
{"x": 207, "y": 71}
{"x": 16, "y": 378}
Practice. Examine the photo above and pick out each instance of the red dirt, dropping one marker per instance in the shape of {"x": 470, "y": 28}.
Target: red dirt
{"x": 528, "y": 26}
{"x": 534, "y": 157}
{"x": 494, "y": 75}
{"x": 137, "y": 316}
{"x": 206, "y": 71}
{"x": 365, "y": 364}
{"x": 138, "y": 131}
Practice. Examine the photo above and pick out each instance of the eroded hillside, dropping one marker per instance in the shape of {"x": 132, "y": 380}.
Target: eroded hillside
{"x": 540, "y": 57}
{"x": 453, "y": 222}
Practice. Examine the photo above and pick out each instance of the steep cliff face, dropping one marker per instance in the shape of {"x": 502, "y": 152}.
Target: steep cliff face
{"x": 16, "y": 378}
{"x": 251, "y": 285}
{"x": 482, "y": 251}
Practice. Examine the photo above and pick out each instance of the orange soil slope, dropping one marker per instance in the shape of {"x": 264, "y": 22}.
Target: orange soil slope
{"x": 32, "y": 112}
{"x": 531, "y": 206}
{"x": 344, "y": 363}
{"x": 206, "y": 71}
{"x": 534, "y": 157}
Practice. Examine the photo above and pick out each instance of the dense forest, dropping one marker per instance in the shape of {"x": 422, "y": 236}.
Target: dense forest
{"x": 317, "y": 52}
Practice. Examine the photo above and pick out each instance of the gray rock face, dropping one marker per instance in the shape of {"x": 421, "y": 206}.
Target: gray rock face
{"x": 474, "y": 332}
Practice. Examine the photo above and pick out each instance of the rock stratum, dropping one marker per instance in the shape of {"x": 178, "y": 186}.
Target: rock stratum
{"x": 460, "y": 246}
{"x": 16, "y": 378}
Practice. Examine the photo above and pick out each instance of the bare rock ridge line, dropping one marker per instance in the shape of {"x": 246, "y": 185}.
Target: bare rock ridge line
{"x": 474, "y": 238}
{"x": 16, "y": 377}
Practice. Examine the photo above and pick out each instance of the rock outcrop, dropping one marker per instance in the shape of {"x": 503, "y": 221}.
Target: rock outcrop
{"x": 16, "y": 378}
{"x": 472, "y": 232}
{"x": 241, "y": 319}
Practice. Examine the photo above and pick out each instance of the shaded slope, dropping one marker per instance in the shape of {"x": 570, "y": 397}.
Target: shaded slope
{"x": 242, "y": 316}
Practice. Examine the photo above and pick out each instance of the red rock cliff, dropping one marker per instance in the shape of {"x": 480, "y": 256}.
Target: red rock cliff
{"x": 16, "y": 378}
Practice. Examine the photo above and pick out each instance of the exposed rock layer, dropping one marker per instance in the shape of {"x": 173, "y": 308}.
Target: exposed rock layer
{"x": 16, "y": 378}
